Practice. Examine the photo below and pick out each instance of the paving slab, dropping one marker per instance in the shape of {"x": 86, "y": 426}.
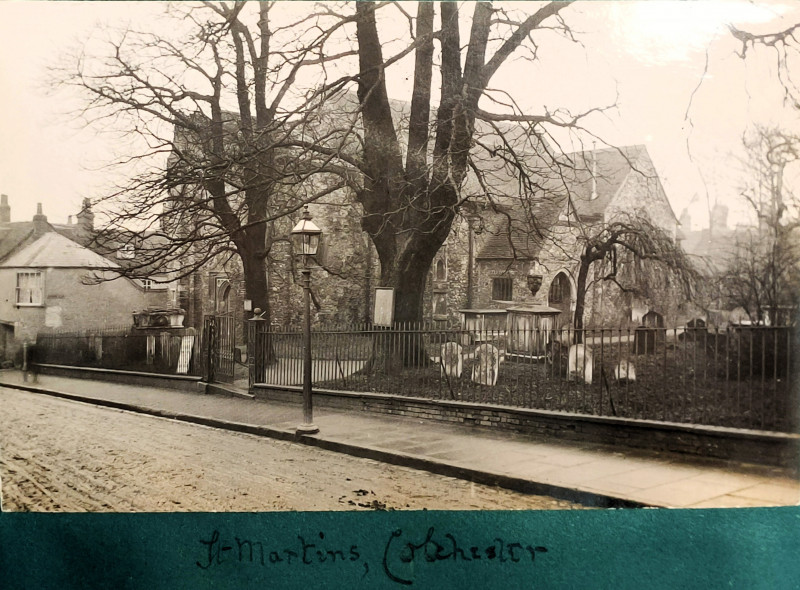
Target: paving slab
{"x": 588, "y": 473}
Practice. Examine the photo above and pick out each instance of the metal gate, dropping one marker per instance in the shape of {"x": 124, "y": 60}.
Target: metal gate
{"x": 220, "y": 335}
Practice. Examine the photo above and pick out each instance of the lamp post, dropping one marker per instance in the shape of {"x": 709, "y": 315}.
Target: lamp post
{"x": 305, "y": 236}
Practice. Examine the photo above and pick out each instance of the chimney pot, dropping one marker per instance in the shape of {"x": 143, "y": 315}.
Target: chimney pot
{"x": 40, "y": 224}
{"x": 85, "y": 220}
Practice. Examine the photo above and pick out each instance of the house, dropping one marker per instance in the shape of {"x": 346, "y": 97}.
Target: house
{"x": 736, "y": 263}
{"x": 50, "y": 281}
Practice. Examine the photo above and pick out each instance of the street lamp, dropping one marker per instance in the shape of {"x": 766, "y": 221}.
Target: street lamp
{"x": 305, "y": 236}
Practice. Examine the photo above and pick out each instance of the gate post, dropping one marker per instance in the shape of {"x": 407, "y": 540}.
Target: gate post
{"x": 255, "y": 348}
{"x": 210, "y": 340}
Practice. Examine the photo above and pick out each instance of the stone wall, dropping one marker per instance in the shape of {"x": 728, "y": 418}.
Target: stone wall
{"x": 775, "y": 449}
{"x": 343, "y": 282}
{"x": 640, "y": 183}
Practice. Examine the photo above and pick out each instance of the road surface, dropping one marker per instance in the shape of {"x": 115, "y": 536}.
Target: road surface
{"x": 59, "y": 455}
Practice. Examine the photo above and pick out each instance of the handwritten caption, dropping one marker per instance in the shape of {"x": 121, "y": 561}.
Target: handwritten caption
{"x": 401, "y": 555}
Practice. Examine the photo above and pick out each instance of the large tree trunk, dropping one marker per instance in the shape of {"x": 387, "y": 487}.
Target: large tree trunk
{"x": 409, "y": 208}
{"x": 257, "y": 291}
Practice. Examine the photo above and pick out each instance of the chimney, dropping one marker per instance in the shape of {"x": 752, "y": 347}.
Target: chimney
{"x": 86, "y": 220}
{"x": 5, "y": 209}
{"x": 40, "y": 225}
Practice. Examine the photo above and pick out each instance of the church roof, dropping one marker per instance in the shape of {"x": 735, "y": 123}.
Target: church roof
{"x": 608, "y": 168}
{"x": 591, "y": 179}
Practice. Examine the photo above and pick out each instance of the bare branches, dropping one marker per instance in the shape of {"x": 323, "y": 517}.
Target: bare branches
{"x": 784, "y": 45}
{"x": 762, "y": 270}
{"x": 222, "y": 103}
{"x": 644, "y": 261}
{"x": 749, "y": 40}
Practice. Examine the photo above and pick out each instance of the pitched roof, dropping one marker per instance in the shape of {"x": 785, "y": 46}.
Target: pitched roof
{"x": 52, "y": 250}
{"x": 145, "y": 259}
{"x": 602, "y": 172}
{"x": 13, "y": 235}
{"x": 516, "y": 233}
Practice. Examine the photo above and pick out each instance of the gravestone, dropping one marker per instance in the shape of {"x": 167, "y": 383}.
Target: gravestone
{"x": 580, "y": 364}
{"x": 487, "y": 364}
{"x": 452, "y": 359}
{"x": 625, "y": 371}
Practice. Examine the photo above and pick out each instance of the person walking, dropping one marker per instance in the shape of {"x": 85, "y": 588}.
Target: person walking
{"x": 29, "y": 362}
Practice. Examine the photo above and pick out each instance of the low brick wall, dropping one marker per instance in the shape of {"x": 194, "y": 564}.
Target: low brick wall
{"x": 748, "y": 446}
{"x": 179, "y": 382}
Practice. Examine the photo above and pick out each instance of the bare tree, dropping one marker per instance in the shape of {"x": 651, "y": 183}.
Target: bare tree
{"x": 209, "y": 110}
{"x": 637, "y": 256}
{"x": 762, "y": 274}
{"x": 416, "y": 166}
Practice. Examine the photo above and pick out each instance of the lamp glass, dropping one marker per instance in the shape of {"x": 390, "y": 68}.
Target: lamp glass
{"x": 306, "y": 236}
{"x": 310, "y": 244}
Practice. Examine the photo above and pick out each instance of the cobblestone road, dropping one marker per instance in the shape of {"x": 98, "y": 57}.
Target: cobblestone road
{"x": 58, "y": 455}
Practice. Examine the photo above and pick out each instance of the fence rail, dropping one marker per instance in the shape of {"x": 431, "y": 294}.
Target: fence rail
{"x": 156, "y": 351}
{"x": 744, "y": 377}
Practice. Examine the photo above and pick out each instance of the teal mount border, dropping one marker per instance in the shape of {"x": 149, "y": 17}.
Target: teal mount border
{"x": 723, "y": 548}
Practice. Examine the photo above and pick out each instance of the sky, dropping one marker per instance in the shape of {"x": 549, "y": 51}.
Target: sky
{"x": 647, "y": 56}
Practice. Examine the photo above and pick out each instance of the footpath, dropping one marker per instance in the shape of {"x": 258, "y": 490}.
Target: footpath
{"x": 589, "y": 474}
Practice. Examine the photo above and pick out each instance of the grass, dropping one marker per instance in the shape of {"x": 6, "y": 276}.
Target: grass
{"x": 680, "y": 382}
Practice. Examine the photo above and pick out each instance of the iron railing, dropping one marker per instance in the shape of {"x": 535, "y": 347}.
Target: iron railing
{"x": 743, "y": 377}
{"x": 123, "y": 348}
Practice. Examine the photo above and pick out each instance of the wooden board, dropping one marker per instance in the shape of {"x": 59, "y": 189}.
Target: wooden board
{"x": 383, "y": 314}
{"x": 187, "y": 342}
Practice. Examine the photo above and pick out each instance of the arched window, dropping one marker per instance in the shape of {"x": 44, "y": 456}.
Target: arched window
{"x": 559, "y": 290}
{"x": 439, "y": 305}
{"x": 223, "y": 296}
{"x": 441, "y": 270}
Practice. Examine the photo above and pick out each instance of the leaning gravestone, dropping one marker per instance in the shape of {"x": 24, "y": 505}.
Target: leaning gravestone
{"x": 487, "y": 364}
{"x": 451, "y": 359}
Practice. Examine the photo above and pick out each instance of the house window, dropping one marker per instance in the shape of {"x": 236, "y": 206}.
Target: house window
{"x": 147, "y": 284}
{"x": 127, "y": 252}
{"x": 502, "y": 289}
{"x": 30, "y": 288}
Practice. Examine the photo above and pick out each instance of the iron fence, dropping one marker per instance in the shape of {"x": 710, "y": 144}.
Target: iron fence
{"x": 165, "y": 351}
{"x": 743, "y": 377}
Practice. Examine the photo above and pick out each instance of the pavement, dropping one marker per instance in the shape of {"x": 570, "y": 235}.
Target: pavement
{"x": 592, "y": 475}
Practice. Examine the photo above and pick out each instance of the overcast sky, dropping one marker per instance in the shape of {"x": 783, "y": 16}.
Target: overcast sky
{"x": 651, "y": 55}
